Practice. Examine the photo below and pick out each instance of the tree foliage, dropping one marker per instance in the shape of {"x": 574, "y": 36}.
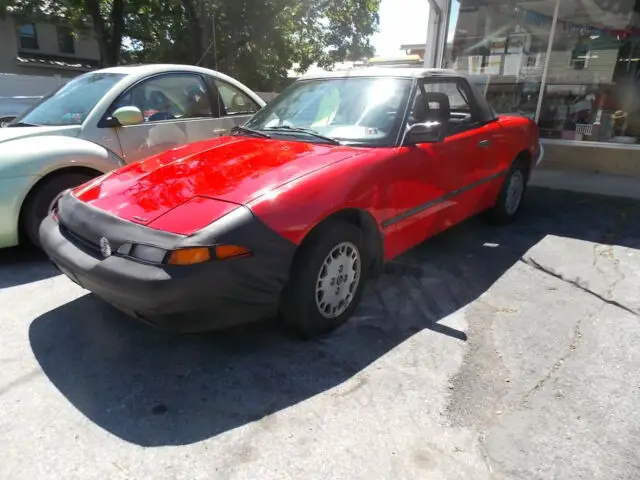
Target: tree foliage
{"x": 257, "y": 41}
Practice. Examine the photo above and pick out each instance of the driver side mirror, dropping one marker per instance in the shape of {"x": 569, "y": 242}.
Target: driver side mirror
{"x": 428, "y": 132}
{"x": 124, "y": 116}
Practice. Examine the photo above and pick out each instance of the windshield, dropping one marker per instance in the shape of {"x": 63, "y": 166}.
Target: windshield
{"x": 70, "y": 104}
{"x": 356, "y": 110}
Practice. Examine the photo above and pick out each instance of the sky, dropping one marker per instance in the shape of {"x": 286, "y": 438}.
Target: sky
{"x": 403, "y": 22}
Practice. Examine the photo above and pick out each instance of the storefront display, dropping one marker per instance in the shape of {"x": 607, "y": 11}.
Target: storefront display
{"x": 581, "y": 85}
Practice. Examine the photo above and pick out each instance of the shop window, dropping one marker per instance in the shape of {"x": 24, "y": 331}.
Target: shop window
{"x": 592, "y": 88}
{"x": 505, "y": 42}
{"x": 28, "y": 36}
{"x": 598, "y": 98}
{"x": 65, "y": 40}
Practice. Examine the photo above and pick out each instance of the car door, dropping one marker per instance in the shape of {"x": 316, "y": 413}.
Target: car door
{"x": 440, "y": 182}
{"x": 178, "y": 108}
{"x": 235, "y": 106}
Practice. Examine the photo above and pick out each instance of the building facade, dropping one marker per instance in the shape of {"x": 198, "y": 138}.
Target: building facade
{"x": 45, "y": 49}
{"x": 572, "y": 65}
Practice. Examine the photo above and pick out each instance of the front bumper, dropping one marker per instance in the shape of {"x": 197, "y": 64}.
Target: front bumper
{"x": 206, "y": 296}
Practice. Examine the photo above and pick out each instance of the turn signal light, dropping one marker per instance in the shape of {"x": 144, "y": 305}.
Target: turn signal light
{"x": 189, "y": 256}
{"x": 231, "y": 251}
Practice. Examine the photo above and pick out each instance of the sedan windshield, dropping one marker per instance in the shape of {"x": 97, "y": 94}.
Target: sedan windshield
{"x": 357, "y": 110}
{"x": 70, "y": 104}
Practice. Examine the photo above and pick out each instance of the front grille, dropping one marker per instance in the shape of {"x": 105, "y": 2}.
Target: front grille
{"x": 82, "y": 243}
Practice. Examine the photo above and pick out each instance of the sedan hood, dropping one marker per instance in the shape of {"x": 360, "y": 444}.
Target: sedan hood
{"x": 230, "y": 169}
{"x": 13, "y": 133}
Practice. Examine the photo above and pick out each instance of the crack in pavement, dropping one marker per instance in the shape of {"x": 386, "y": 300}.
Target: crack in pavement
{"x": 572, "y": 347}
{"x": 609, "y": 301}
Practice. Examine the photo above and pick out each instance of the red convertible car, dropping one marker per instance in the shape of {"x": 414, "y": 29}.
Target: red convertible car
{"x": 294, "y": 211}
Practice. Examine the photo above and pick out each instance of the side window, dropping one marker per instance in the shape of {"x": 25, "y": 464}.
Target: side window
{"x": 458, "y": 100}
{"x": 236, "y": 102}
{"x": 445, "y": 100}
{"x": 168, "y": 97}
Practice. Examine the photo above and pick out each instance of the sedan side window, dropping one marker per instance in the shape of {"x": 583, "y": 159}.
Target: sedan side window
{"x": 236, "y": 102}
{"x": 168, "y": 97}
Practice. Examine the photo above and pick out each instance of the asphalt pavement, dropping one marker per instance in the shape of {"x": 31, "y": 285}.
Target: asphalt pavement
{"x": 485, "y": 353}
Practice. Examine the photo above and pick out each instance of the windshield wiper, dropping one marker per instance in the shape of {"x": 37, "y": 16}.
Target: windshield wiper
{"x": 250, "y": 131}
{"x": 308, "y": 131}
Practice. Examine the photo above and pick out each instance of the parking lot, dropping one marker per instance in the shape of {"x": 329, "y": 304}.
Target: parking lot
{"x": 487, "y": 352}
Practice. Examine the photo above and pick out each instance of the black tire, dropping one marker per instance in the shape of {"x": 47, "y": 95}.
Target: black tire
{"x": 298, "y": 307}
{"x": 36, "y": 207}
{"x": 500, "y": 214}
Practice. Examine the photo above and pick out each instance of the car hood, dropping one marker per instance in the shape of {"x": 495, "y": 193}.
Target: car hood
{"x": 14, "y": 133}
{"x": 230, "y": 169}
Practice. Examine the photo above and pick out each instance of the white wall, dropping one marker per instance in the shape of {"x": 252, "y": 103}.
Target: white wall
{"x": 12, "y": 85}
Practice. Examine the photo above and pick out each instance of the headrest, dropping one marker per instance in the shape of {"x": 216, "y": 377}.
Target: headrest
{"x": 438, "y": 106}
{"x": 432, "y": 106}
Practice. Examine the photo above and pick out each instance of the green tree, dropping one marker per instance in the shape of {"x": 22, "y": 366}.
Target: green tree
{"x": 257, "y": 41}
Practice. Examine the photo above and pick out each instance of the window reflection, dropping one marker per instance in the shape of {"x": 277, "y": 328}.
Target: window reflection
{"x": 592, "y": 87}
{"x": 505, "y": 40}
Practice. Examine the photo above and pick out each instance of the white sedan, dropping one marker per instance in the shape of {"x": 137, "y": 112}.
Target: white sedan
{"x": 101, "y": 120}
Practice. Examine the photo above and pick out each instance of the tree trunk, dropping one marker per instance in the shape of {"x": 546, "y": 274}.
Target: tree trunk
{"x": 109, "y": 42}
{"x": 192, "y": 14}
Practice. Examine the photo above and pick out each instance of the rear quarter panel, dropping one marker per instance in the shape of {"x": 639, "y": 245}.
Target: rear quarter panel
{"x": 520, "y": 134}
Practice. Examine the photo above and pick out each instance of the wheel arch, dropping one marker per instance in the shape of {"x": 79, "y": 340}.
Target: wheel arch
{"x": 66, "y": 170}
{"x": 372, "y": 236}
{"x": 526, "y": 157}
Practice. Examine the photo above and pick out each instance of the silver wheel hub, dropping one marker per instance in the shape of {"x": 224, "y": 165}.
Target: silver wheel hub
{"x": 338, "y": 280}
{"x": 515, "y": 190}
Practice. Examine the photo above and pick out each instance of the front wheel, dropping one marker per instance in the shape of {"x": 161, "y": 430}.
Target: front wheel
{"x": 327, "y": 280}
{"x": 511, "y": 195}
{"x": 40, "y": 201}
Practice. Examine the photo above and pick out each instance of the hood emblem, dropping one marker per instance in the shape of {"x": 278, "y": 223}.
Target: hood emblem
{"x": 105, "y": 247}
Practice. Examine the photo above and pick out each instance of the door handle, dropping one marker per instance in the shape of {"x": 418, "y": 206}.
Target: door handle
{"x": 219, "y": 130}
{"x": 484, "y": 143}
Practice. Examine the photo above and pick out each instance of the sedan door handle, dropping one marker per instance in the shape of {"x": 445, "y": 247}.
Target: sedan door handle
{"x": 484, "y": 143}
{"x": 220, "y": 130}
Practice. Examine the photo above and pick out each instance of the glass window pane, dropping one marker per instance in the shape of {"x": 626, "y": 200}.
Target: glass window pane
{"x": 28, "y": 36}
{"x": 503, "y": 44}
{"x": 235, "y": 101}
{"x": 169, "y": 97}
{"x": 593, "y": 87}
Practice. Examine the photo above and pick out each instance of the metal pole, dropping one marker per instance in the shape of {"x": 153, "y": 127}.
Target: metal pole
{"x": 545, "y": 72}
{"x": 429, "y": 60}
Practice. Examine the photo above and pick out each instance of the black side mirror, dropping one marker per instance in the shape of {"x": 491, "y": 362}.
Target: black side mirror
{"x": 428, "y": 132}
{"x": 110, "y": 122}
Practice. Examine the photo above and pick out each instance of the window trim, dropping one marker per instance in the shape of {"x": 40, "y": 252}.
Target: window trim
{"x": 103, "y": 122}
{"x": 34, "y": 37}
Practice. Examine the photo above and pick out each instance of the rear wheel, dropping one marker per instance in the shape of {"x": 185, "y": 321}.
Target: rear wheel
{"x": 511, "y": 195}
{"x": 327, "y": 280}
{"x": 41, "y": 199}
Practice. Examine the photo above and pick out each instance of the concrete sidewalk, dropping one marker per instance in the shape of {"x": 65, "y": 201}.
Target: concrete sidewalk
{"x": 585, "y": 181}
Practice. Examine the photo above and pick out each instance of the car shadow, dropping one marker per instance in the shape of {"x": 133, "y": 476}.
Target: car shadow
{"x": 21, "y": 265}
{"x": 153, "y": 389}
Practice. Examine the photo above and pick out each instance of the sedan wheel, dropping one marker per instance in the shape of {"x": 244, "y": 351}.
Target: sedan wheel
{"x": 327, "y": 280}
